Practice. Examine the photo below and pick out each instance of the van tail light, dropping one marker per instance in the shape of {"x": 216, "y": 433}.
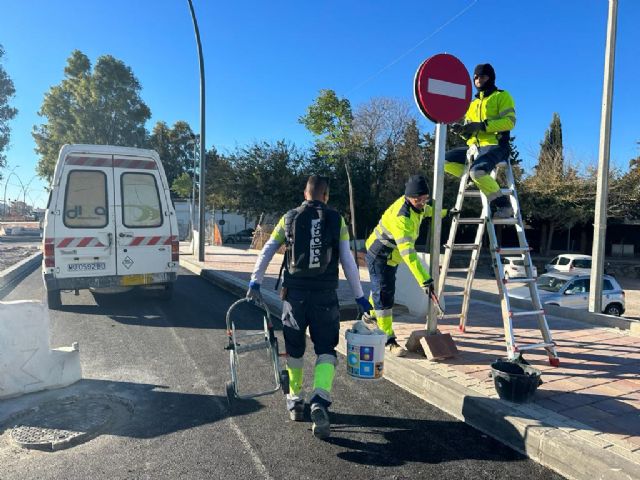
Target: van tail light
{"x": 175, "y": 249}
{"x": 49, "y": 256}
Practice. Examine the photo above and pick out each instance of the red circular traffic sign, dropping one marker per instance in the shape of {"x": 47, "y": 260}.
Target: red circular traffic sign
{"x": 442, "y": 88}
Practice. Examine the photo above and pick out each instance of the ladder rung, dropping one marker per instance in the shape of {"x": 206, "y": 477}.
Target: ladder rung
{"x": 505, "y": 221}
{"x": 252, "y": 334}
{"x": 251, "y": 347}
{"x": 533, "y": 346}
{"x": 525, "y": 313}
{"x": 450, "y": 315}
{"x": 508, "y": 250}
{"x": 472, "y": 193}
{"x": 465, "y": 246}
{"x": 453, "y": 294}
{"x": 458, "y": 270}
{"x": 471, "y": 221}
{"x": 519, "y": 280}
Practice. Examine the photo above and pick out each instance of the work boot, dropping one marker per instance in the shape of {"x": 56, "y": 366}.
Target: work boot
{"x": 320, "y": 419}
{"x": 395, "y": 349}
{"x": 503, "y": 212}
{"x": 295, "y": 405}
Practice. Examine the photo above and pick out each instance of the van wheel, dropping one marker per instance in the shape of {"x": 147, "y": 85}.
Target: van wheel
{"x": 54, "y": 299}
{"x": 167, "y": 292}
{"x": 613, "y": 309}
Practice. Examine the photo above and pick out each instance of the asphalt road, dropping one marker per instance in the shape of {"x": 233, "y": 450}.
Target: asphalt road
{"x": 167, "y": 361}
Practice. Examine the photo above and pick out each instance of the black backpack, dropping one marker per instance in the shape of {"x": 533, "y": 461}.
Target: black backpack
{"x": 308, "y": 246}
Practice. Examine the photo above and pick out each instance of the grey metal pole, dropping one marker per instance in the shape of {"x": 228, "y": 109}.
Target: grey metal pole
{"x": 436, "y": 220}
{"x": 201, "y": 201}
{"x": 600, "y": 225}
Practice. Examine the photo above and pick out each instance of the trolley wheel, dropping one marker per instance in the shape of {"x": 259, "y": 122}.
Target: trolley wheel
{"x": 284, "y": 381}
{"x": 231, "y": 394}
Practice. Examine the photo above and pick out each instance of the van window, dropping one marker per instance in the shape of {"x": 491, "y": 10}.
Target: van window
{"x": 607, "y": 285}
{"x": 140, "y": 200}
{"x": 85, "y": 200}
{"x": 563, "y": 261}
{"x": 582, "y": 263}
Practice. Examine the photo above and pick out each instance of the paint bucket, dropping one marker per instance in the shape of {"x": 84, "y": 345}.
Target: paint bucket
{"x": 515, "y": 381}
{"x": 365, "y": 354}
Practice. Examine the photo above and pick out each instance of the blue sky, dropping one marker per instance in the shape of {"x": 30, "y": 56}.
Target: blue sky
{"x": 266, "y": 62}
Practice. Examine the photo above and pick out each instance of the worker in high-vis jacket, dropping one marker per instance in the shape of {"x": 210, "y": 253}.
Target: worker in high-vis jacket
{"x": 316, "y": 240}
{"x": 487, "y": 125}
{"x": 392, "y": 242}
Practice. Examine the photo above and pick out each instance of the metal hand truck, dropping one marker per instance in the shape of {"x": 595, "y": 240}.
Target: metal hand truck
{"x": 267, "y": 341}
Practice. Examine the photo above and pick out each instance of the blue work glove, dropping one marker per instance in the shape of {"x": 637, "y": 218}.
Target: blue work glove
{"x": 254, "y": 292}
{"x": 364, "y": 304}
{"x": 473, "y": 127}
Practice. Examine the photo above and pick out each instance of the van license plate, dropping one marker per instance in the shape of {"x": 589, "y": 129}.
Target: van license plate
{"x": 86, "y": 267}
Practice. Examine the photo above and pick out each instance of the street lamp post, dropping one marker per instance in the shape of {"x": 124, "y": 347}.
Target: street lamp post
{"x": 4, "y": 197}
{"x": 201, "y": 216}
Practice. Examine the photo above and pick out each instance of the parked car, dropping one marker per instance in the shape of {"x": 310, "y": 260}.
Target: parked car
{"x": 514, "y": 268}
{"x": 243, "y": 236}
{"x": 572, "y": 291}
{"x": 569, "y": 262}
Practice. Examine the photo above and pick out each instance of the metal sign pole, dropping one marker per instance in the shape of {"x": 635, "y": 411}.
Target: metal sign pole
{"x": 600, "y": 225}
{"x": 436, "y": 221}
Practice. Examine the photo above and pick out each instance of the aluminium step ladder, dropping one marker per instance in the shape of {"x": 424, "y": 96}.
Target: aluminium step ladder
{"x": 485, "y": 223}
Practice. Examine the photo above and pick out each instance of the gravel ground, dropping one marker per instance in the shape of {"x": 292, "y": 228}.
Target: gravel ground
{"x": 12, "y": 253}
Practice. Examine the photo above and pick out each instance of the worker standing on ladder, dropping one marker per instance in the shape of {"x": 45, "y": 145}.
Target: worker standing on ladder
{"x": 391, "y": 242}
{"x": 487, "y": 124}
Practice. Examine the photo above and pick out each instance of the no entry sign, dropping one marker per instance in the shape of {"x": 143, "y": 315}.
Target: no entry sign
{"x": 442, "y": 88}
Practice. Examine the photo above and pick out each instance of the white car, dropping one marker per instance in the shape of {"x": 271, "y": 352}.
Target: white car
{"x": 572, "y": 291}
{"x": 514, "y": 268}
{"x": 570, "y": 263}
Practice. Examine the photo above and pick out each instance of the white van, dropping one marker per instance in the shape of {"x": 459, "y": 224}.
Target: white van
{"x": 110, "y": 222}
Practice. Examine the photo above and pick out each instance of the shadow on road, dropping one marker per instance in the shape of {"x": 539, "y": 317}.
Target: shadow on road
{"x": 406, "y": 440}
{"x": 151, "y": 410}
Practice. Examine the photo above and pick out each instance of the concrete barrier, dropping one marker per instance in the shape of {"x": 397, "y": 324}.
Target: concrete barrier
{"x": 17, "y": 271}
{"x": 27, "y": 364}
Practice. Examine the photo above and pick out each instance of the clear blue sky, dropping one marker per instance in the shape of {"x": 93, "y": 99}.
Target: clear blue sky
{"x": 266, "y": 62}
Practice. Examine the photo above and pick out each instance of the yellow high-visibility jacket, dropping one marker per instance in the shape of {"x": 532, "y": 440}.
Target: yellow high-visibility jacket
{"x": 395, "y": 236}
{"x": 498, "y": 112}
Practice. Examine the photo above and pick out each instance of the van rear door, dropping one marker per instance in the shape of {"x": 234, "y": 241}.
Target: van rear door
{"x": 84, "y": 240}
{"x": 143, "y": 228}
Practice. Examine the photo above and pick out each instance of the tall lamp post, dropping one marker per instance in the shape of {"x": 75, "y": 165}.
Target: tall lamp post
{"x": 4, "y": 197}
{"x": 201, "y": 216}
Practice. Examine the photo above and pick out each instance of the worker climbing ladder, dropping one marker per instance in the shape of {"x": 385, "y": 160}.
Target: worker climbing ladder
{"x": 486, "y": 223}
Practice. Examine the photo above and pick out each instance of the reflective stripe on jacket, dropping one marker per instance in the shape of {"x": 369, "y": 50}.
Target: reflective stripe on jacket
{"x": 395, "y": 236}
{"x": 498, "y": 112}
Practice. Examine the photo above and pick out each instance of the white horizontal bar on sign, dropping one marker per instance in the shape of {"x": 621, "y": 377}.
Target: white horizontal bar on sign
{"x": 449, "y": 89}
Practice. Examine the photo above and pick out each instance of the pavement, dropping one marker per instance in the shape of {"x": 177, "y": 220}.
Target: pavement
{"x": 584, "y": 420}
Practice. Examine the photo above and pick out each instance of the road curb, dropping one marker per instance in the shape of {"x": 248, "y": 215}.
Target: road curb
{"x": 10, "y": 276}
{"x": 542, "y": 435}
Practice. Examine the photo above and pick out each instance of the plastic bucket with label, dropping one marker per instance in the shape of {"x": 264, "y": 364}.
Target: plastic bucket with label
{"x": 365, "y": 355}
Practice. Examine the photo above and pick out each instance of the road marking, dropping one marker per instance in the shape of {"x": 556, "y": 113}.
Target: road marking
{"x": 262, "y": 470}
{"x": 448, "y": 89}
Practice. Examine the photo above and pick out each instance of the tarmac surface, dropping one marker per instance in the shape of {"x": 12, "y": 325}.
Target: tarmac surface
{"x": 166, "y": 362}
{"x": 584, "y": 421}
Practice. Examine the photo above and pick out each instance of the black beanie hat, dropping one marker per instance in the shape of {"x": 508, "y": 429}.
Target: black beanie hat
{"x": 485, "y": 69}
{"x": 416, "y": 186}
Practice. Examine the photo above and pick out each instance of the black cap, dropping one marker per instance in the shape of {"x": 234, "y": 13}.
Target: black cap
{"x": 416, "y": 186}
{"x": 485, "y": 69}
